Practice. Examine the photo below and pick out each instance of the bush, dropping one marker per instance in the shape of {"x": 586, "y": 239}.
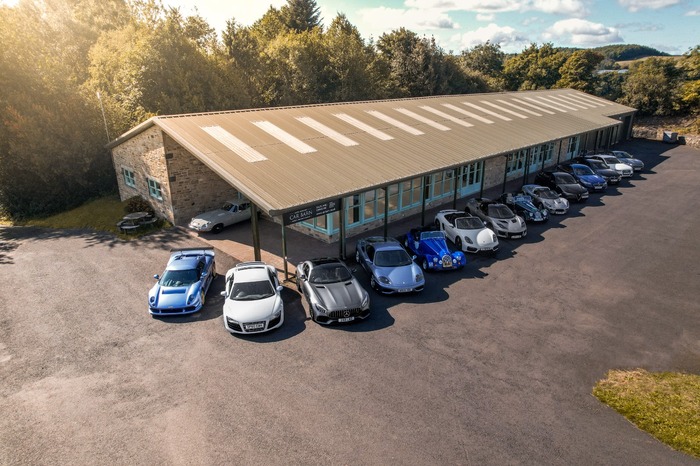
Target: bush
{"x": 138, "y": 204}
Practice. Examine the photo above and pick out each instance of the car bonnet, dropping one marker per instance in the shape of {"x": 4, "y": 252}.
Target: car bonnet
{"x": 339, "y": 295}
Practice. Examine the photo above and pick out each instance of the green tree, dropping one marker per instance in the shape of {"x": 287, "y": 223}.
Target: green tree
{"x": 579, "y": 71}
{"x": 534, "y": 68}
{"x": 689, "y": 92}
{"x": 486, "y": 58}
{"x": 301, "y": 15}
{"x": 651, "y": 86}
{"x": 609, "y": 85}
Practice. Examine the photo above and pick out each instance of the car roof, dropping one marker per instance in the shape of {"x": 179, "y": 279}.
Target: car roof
{"x": 183, "y": 263}
{"x": 325, "y": 260}
{"x": 251, "y": 273}
{"x": 375, "y": 240}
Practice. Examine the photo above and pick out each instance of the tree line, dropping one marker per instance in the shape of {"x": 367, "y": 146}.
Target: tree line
{"x": 64, "y": 62}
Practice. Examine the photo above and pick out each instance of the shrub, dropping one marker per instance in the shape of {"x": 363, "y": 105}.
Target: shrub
{"x": 138, "y": 204}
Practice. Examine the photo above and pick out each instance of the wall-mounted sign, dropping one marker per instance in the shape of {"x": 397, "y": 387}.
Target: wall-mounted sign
{"x": 311, "y": 212}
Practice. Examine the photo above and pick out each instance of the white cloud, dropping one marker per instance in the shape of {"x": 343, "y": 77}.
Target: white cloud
{"x": 640, "y": 27}
{"x": 508, "y": 38}
{"x": 581, "y": 32}
{"x": 575, "y": 8}
{"x": 636, "y": 5}
{"x": 377, "y": 21}
{"x": 485, "y": 17}
{"x": 695, "y": 12}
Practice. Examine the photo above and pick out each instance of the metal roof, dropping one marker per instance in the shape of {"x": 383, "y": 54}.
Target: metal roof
{"x": 286, "y": 158}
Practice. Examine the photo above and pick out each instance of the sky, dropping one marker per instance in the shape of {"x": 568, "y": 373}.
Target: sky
{"x": 672, "y": 26}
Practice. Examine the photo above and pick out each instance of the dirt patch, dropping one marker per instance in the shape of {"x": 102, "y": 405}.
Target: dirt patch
{"x": 653, "y": 127}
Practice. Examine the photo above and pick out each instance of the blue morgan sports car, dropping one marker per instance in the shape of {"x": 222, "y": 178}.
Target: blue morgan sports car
{"x": 184, "y": 284}
{"x": 431, "y": 251}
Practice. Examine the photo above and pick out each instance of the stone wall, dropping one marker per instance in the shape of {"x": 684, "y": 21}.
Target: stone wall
{"x": 144, "y": 155}
{"x": 195, "y": 187}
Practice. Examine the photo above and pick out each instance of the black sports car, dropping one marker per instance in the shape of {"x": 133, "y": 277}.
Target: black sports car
{"x": 562, "y": 183}
{"x": 522, "y": 205}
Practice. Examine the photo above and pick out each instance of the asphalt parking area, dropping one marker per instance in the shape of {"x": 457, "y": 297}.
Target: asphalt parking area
{"x": 493, "y": 364}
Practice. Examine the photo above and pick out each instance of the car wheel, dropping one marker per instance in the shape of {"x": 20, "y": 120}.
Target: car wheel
{"x": 437, "y": 223}
{"x": 458, "y": 243}
{"x": 217, "y": 228}
{"x": 357, "y": 256}
{"x": 373, "y": 283}
{"x": 311, "y": 313}
{"x": 203, "y": 298}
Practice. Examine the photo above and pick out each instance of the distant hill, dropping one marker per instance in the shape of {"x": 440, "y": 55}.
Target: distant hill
{"x": 623, "y": 52}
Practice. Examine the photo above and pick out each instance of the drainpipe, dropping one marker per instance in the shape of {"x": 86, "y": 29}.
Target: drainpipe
{"x": 483, "y": 175}
{"x": 505, "y": 175}
{"x": 454, "y": 199}
{"x": 386, "y": 211}
{"x": 284, "y": 251}
{"x": 256, "y": 231}
{"x": 527, "y": 166}
{"x": 342, "y": 228}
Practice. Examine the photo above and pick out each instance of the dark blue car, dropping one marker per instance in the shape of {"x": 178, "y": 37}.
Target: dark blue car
{"x": 431, "y": 251}
{"x": 585, "y": 176}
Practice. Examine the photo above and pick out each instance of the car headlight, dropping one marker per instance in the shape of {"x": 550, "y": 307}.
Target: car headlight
{"x": 152, "y": 299}
{"x": 191, "y": 298}
{"x": 468, "y": 240}
{"x": 435, "y": 259}
{"x": 365, "y": 301}
{"x": 278, "y": 310}
{"x": 419, "y": 277}
{"x": 320, "y": 309}
{"x": 502, "y": 224}
{"x": 384, "y": 280}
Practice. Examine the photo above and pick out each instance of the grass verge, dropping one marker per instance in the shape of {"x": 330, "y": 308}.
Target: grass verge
{"x": 664, "y": 404}
{"x": 99, "y": 215}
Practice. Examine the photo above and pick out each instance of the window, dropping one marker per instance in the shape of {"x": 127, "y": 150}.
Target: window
{"x": 129, "y": 177}
{"x": 154, "y": 189}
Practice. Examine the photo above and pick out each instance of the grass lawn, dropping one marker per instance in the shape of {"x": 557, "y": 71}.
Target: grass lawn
{"x": 664, "y": 404}
{"x": 98, "y": 215}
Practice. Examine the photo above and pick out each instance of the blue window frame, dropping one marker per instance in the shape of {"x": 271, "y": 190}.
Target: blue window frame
{"x": 129, "y": 177}
{"x": 154, "y": 189}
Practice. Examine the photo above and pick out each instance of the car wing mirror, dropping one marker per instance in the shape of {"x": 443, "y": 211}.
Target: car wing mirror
{"x": 156, "y": 276}
{"x": 280, "y": 288}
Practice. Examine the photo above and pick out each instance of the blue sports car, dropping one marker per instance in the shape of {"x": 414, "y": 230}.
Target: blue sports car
{"x": 431, "y": 251}
{"x": 184, "y": 284}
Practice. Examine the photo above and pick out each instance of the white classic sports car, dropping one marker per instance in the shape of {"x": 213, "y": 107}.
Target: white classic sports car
{"x": 547, "y": 198}
{"x": 253, "y": 301}
{"x": 215, "y": 220}
{"x": 466, "y": 231}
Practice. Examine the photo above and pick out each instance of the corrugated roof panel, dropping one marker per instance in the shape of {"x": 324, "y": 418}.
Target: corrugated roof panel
{"x": 246, "y": 152}
{"x": 519, "y": 107}
{"x": 446, "y": 116}
{"x": 503, "y": 109}
{"x": 468, "y": 113}
{"x": 566, "y": 102}
{"x": 549, "y": 104}
{"x": 363, "y": 126}
{"x": 393, "y": 121}
{"x": 287, "y": 180}
{"x": 423, "y": 119}
{"x": 487, "y": 111}
{"x": 326, "y": 131}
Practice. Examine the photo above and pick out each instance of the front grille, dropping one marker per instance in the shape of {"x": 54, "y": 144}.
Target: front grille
{"x": 274, "y": 321}
{"x": 345, "y": 313}
{"x": 446, "y": 261}
{"x": 177, "y": 310}
{"x": 234, "y": 325}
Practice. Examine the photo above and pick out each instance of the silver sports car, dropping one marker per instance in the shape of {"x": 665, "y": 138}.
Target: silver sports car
{"x": 545, "y": 197}
{"x": 332, "y": 292}
{"x": 389, "y": 266}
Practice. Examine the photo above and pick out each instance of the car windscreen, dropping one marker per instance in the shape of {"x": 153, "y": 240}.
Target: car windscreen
{"x": 564, "y": 178}
{"x": 248, "y": 291}
{"x": 547, "y": 194}
{"x": 469, "y": 223}
{"x": 500, "y": 211}
{"x": 179, "y": 277}
{"x": 583, "y": 170}
{"x": 227, "y": 206}
{"x": 432, "y": 235}
{"x": 612, "y": 160}
{"x": 329, "y": 273}
{"x": 392, "y": 258}
{"x": 597, "y": 164}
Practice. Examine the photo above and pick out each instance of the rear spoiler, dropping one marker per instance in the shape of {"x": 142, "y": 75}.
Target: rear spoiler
{"x": 205, "y": 251}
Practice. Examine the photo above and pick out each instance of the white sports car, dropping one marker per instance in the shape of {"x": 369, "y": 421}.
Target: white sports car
{"x": 466, "y": 231}
{"x": 215, "y": 220}
{"x": 253, "y": 301}
{"x": 545, "y": 197}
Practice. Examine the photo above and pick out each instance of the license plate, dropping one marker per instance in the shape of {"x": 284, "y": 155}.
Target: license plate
{"x": 599, "y": 187}
{"x": 487, "y": 249}
{"x": 255, "y": 326}
{"x": 516, "y": 236}
{"x": 346, "y": 319}
{"x": 404, "y": 290}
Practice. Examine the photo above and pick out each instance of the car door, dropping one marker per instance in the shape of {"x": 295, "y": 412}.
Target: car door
{"x": 449, "y": 228}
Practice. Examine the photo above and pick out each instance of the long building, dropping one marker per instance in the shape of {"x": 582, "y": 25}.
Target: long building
{"x": 336, "y": 170}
